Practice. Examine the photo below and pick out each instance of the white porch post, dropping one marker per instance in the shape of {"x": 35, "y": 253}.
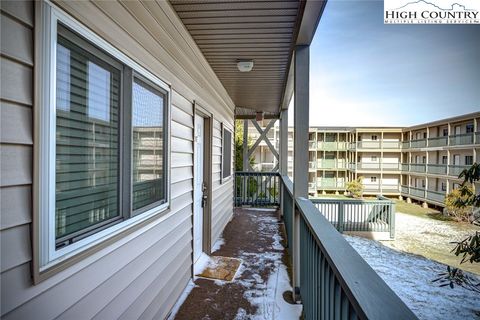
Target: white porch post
{"x": 246, "y": 165}
{"x": 283, "y": 148}
{"x": 300, "y": 151}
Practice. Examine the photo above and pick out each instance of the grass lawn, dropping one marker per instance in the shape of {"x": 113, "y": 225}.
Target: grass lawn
{"x": 419, "y": 211}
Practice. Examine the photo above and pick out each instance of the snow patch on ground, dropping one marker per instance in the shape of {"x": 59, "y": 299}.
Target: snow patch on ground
{"x": 181, "y": 299}
{"x": 201, "y": 264}
{"x": 269, "y": 298}
{"x": 218, "y": 244}
{"x": 410, "y": 276}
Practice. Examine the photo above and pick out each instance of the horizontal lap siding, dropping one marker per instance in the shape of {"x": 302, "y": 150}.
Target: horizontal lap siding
{"x": 222, "y": 208}
{"x": 16, "y": 140}
{"x": 143, "y": 274}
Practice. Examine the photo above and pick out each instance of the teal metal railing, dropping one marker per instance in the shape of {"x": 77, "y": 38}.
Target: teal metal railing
{"x": 259, "y": 189}
{"x": 359, "y": 215}
{"x": 454, "y": 170}
{"x": 437, "y": 141}
{"x": 335, "y": 281}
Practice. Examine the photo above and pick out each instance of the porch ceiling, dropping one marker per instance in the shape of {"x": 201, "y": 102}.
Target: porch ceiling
{"x": 263, "y": 30}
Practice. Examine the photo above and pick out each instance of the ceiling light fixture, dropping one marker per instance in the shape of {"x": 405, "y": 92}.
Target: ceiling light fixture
{"x": 245, "y": 65}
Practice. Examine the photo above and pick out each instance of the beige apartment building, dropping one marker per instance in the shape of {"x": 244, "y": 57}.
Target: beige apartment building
{"x": 420, "y": 163}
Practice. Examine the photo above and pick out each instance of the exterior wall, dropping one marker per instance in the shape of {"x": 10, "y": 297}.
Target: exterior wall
{"x": 141, "y": 275}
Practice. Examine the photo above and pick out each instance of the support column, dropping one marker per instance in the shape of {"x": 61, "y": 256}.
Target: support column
{"x": 300, "y": 150}
{"x": 283, "y": 148}
{"x": 246, "y": 165}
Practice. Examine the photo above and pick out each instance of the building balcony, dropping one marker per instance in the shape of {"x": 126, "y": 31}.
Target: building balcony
{"x": 368, "y": 166}
{"x": 418, "y": 143}
{"x": 437, "y": 142}
{"x": 330, "y": 183}
{"x": 461, "y": 139}
{"x": 417, "y": 192}
{"x": 331, "y": 164}
{"x": 312, "y": 145}
{"x": 437, "y": 169}
{"x": 436, "y": 196}
{"x": 332, "y": 145}
{"x": 417, "y": 167}
{"x": 312, "y": 165}
{"x": 390, "y": 188}
{"x": 368, "y": 144}
{"x": 391, "y": 166}
{"x": 391, "y": 144}
{"x": 455, "y": 170}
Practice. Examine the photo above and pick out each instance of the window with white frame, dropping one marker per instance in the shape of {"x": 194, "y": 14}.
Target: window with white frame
{"x": 373, "y": 179}
{"x": 373, "y": 158}
{"x": 374, "y": 137}
{"x": 469, "y": 128}
{"x": 444, "y": 186}
{"x": 104, "y": 141}
{"x": 445, "y": 132}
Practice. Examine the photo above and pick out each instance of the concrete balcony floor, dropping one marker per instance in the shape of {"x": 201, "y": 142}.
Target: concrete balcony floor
{"x": 256, "y": 237}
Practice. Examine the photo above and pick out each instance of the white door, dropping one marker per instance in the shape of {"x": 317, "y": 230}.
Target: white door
{"x": 456, "y": 159}
{"x": 457, "y": 129}
{"x": 198, "y": 186}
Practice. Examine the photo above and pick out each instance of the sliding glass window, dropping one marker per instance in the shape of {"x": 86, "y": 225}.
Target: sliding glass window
{"x": 110, "y": 145}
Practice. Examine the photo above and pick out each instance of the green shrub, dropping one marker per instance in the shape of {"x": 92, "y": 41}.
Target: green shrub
{"x": 452, "y": 207}
{"x": 355, "y": 187}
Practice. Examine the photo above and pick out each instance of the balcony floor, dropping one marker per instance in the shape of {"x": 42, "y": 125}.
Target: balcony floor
{"x": 256, "y": 237}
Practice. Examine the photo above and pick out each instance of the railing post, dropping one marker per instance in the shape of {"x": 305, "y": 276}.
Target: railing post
{"x": 392, "y": 220}
{"x": 341, "y": 208}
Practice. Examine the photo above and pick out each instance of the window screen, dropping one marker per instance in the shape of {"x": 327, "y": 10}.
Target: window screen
{"x": 148, "y": 141}
{"x": 87, "y": 147}
{"x": 227, "y": 154}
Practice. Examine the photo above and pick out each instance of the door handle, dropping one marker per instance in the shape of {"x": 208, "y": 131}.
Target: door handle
{"x": 204, "y": 195}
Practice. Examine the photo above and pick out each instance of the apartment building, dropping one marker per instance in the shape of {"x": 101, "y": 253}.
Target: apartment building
{"x": 435, "y": 153}
{"x": 420, "y": 163}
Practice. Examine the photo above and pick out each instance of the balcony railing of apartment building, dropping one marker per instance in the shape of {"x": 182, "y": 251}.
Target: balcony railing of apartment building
{"x": 333, "y": 280}
{"x": 386, "y": 144}
{"x": 359, "y": 215}
{"x": 330, "y": 183}
{"x": 394, "y": 166}
{"x": 331, "y": 164}
{"x": 431, "y": 168}
{"x": 332, "y": 145}
{"x": 312, "y": 145}
{"x": 451, "y": 140}
{"x": 368, "y": 166}
{"x": 432, "y": 195}
{"x": 368, "y": 144}
{"x": 437, "y": 169}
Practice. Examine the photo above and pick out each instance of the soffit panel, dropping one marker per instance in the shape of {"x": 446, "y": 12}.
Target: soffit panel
{"x": 262, "y": 30}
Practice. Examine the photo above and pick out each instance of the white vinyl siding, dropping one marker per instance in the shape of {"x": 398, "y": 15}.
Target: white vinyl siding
{"x": 126, "y": 280}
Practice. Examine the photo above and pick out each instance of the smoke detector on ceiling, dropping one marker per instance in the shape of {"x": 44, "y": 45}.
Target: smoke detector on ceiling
{"x": 245, "y": 65}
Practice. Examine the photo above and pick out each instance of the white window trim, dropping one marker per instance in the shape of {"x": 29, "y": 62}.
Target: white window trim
{"x": 48, "y": 256}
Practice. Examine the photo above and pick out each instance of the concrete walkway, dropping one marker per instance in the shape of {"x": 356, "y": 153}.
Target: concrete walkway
{"x": 255, "y": 236}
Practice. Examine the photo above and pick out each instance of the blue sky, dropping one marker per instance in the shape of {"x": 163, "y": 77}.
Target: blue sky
{"x": 363, "y": 72}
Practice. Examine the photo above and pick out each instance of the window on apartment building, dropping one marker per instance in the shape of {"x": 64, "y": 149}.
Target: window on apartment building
{"x": 444, "y": 159}
{"x": 424, "y": 135}
{"x": 226, "y": 153}
{"x": 108, "y": 168}
{"x": 444, "y": 186}
{"x": 468, "y": 160}
{"x": 423, "y": 184}
{"x": 469, "y": 128}
{"x": 424, "y": 159}
{"x": 445, "y": 132}
{"x": 373, "y": 179}
{"x": 374, "y": 158}
{"x": 374, "y": 137}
